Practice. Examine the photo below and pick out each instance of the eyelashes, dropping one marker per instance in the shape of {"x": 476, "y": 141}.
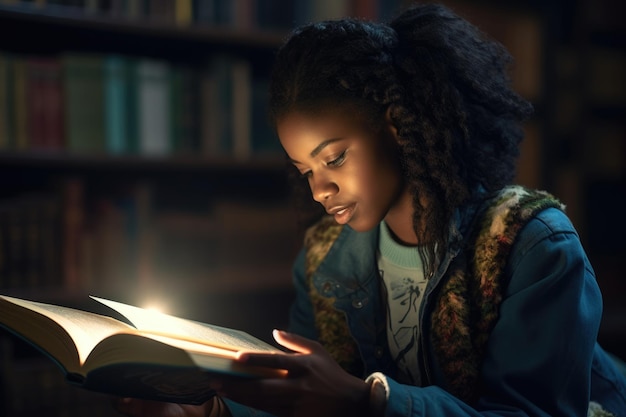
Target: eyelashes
{"x": 335, "y": 163}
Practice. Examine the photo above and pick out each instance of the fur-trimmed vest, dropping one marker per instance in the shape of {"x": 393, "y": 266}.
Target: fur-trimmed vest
{"x": 468, "y": 297}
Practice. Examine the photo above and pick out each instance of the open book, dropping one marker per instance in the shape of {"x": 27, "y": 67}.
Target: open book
{"x": 159, "y": 357}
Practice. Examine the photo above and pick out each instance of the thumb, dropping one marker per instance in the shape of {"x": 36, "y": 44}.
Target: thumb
{"x": 295, "y": 342}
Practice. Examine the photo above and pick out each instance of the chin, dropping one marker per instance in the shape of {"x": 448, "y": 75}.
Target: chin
{"x": 363, "y": 226}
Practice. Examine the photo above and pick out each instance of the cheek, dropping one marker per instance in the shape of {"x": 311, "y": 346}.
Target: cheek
{"x": 373, "y": 180}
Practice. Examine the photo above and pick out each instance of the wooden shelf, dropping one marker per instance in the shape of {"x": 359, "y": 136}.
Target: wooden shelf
{"x": 67, "y": 161}
{"x": 76, "y": 31}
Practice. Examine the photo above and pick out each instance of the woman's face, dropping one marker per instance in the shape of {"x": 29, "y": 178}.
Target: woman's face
{"x": 351, "y": 164}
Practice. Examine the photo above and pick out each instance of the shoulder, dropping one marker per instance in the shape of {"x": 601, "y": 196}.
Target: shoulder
{"x": 516, "y": 204}
{"x": 548, "y": 245}
{"x": 506, "y": 213}
{"x": 324, "y": 231}
{"x": 318, "y": 240}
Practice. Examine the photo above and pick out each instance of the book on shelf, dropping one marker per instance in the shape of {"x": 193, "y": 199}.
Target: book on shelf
{"x": 6, "y": 119}
{"x": 153, "y": 100}
{"x": 44, "y": 103}
{"x": 153, "y": 356}
{"x": 84, "y": 96}
{"x": 117, "y": 104}
{"x": 185, "y": 110}
{"x": 20, "y": 104}
{"x": 29, "y": 242}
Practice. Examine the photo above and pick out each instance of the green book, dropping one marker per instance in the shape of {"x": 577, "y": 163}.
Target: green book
{"x": 116, "y": 104}
{"x": 185, "y": 98}
{"x": 83, "y": 77}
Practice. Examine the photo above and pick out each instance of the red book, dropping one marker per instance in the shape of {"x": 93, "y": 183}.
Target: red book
{"x": 44, "y": 91}
{"x": 364, "y": 9}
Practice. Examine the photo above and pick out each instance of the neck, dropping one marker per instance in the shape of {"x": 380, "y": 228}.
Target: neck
{"x": 399, "y": 220}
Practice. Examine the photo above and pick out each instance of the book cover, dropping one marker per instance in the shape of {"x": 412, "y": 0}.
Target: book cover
{"x": 150, "y": 355}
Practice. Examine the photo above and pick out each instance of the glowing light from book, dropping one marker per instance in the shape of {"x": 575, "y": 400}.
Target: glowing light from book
{"x": 156, "y": 308}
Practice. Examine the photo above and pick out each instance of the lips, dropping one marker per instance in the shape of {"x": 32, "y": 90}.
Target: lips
{"x": 342, "y": 214}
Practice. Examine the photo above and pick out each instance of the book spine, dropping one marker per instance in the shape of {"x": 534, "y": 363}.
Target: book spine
{"x": 263, "y": 138}
{"x": 220, "y": 103}
{"x": 183, "y": 12}
{"x": 241, "y": 109}
{"x": 84, "y": 94}
{"x": 73, "y": 227}
{"x": 20, "y": 104}
{"x": 154, "y": 108}
{"x": 185, "y": 104}
{"x": 35, "y": 102}
{"x": 365, "y": 9}
{"x": 54, "y": 105}
{"x": 5, "y": 102}
{"x": 133, "y": 106}
{"x": 44, "y": 104}
{"x": 115, "y": 104}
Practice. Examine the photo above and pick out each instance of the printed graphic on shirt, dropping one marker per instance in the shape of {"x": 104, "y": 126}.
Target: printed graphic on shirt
{"x": 404, "y": 295}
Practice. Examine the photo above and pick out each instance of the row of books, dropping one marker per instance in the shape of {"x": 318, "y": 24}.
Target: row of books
{"x": 81, "y": 237}
{"x": 238, "y": 14}
{"x": 118, "y": 104}
{"x": 30, "y": 232}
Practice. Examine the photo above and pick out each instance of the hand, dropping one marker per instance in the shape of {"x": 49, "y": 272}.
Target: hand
{"x": 315, "y": 384}
{"x": 133, "y": 407}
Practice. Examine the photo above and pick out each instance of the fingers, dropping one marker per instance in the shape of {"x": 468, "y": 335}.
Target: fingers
{"x": 290, "y": 362}
{"x": 295, "y": 342}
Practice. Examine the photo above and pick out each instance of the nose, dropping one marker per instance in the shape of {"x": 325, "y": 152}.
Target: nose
{"x": 322, "y": 188}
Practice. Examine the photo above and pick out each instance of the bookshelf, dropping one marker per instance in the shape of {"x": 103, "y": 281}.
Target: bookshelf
{"x": 587, "y": 122}
{"x": 135, "y": 164}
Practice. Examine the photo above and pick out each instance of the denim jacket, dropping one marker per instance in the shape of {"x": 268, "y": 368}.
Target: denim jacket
{"x": 541, "y": 358}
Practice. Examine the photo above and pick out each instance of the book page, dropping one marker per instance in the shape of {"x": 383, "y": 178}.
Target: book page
{"x": 86, "y": 329}
{"x": 161, "y": 324}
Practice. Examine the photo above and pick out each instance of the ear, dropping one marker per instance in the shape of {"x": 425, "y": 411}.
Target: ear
{"x": 390, "y": 126}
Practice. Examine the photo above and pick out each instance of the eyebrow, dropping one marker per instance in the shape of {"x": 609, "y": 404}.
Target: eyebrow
{"x": 320, "y": 147}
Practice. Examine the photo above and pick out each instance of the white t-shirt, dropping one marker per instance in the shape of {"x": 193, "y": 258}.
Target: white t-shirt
{"x": 401, "y": 269}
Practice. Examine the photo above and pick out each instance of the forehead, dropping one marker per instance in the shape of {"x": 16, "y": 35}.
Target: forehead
{"x": 329, "y": 120}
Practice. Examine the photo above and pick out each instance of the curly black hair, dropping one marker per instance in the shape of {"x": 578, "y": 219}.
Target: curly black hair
{"x": 445, "y": 86}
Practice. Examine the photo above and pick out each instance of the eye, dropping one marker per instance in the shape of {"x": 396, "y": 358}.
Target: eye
{"x": 306, "y": 175}
{"x": 337, "y": 161}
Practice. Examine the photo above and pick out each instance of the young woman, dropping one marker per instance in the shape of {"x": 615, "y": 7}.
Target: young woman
{"x": 432, "y": 286}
